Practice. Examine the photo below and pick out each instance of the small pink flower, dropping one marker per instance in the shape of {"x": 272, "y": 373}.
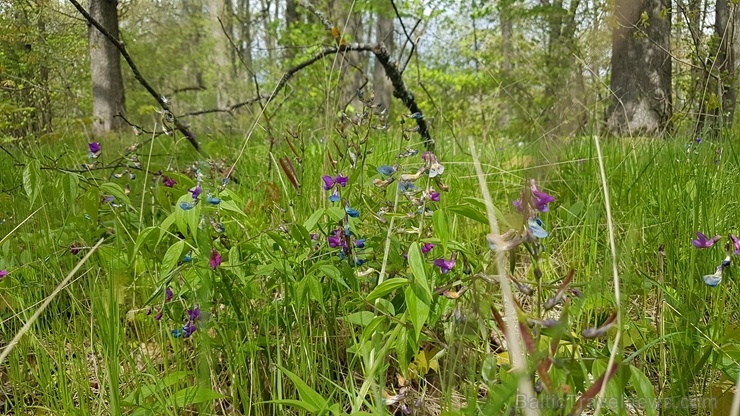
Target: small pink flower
{"x": 215, "y": 259}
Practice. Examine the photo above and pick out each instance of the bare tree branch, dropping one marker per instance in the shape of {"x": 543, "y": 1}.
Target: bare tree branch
{"x": 137, "y": 74}
{"x": 381, "y": 53}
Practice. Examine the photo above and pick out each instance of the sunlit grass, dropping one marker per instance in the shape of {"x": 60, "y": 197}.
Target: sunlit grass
{"x": 96, "y": 349}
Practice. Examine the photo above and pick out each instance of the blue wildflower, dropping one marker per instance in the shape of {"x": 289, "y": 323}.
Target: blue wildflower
{"x": 535, "y": 227}
{"x": 186, "y": 206}
{"x": 351, "y": 212}
{"x": 335, "y": 196}
{"x": 213, "y": 200}
{"x": 386, "y": 170}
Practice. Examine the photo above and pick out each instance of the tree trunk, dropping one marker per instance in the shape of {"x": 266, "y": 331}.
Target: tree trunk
{"x": 727, "y": 30}
{"x": 219, "y": 56}
{"x": 105, "y": 66}
{"x": 352, "y": 65}
{"x": 641, "y": 69}
{"x": 507, "y": 62}
{"x": 381, "y": 84}
{"x": 292, "y": 18}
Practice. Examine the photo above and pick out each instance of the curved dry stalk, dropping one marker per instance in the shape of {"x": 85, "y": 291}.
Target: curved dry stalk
{"x": 615, "y": 272}
{"x": 8, "y": 348}
{"x": 513, "y": 333}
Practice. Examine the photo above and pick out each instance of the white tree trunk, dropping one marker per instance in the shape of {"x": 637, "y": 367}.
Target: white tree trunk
{"x": 105, "y": 67}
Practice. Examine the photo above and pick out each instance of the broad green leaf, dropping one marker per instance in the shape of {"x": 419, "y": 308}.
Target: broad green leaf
{"x": 313, "y": 219}
{"x": 469, "y": 212}
{"x": 387, "y": 287}
{"x": 307, "y": 394}
{"x": 116, "y": 191}
{"x": 416, "y": 261}
{"x": 418, "y": 311}
{"x": 171, "y": 257}
{"x": 32, "y": 180}
{"x": 143, "y": 236}
{"x": 644, "y": 390}
{"x": 440, "y": 227}
{"x": 335, "y": 213}
{"x": 195, "y": 395}
{"x": 232, "y": 207}
{"x": 333, "y": 273}
{"x": 362, "y": 318}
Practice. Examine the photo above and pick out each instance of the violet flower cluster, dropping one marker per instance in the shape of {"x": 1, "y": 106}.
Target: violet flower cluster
{"x": 531, "y": 202}
{"x": 732, "y": 248}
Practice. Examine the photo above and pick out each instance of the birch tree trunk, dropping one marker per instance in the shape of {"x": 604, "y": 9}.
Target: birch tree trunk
{"x": 105, "y": 68}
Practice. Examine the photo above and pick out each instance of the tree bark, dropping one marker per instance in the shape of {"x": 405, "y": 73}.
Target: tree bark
{"x": 220, "y": 57}
{"x": 727, "y": 30}
{"x": 105, "y": 67}
{"x": 381, "y": 84}
{"x": 641, "y": 69}
{"x": 353, "y": 66}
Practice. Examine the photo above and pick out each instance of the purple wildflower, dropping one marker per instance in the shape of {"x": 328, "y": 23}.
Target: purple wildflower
{"x": 334, "y": 241}
{"x": 196, "y": 191}
{"x": 215, "y": 259}
{"x": 75, "y": 249}
{"x": 168, "y": 295}
{"x": 194, "y": 314}
{"x": 434, "y": 196}
{"x": 360, "y": 243}
{"x": 703, "y": 242}
{"x": 94, "y": 147}
{"x": 159, "y": 315}
{"x": 736, "y": 243}
{"x": 188, "y": 329}
{"x": 328, "y": 182}
{"x": 3, "y": 273}
{"x": 168, "y": 182}
{"x": 539, "y": 198}
{"x": 426, "y": 248}
{"x": 341, "y": 180}
{"x": 445, "y": 265}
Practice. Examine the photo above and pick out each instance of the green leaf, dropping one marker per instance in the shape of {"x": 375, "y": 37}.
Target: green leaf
{"x": 313, "y": 219}
{"x": 469, "y": 212}
{"x": 307, "y": 394}
{"x": 335, "y": 213}
{"x": 32, "y": 180}
{"x": 296, "y": 403}
{"x": 362, "y": 318}
{"x": 115, "y": 190}
{"x": 416, "y": 261}
{"x": 195, "y": 395}
{"x": 333, "y": 273}
{"x": 387, "y": 287}
{"x": 440, "y": 227}
{"x": 232, "y": 207}
{"x": 644, "y": 390}
{"x": 143, "y": 236}
{"x": 171, "y": 257}
{"x": 418, "y": 310}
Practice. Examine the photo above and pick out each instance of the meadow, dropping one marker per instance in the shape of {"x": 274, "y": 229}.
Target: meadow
{"x": 352, "y": 273}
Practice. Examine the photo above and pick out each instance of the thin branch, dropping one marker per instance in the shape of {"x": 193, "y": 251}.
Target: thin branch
{"x": 228, "y": 109}
{"x": 389, "y": 65}
{"x": 137, "y": 74}
{"x": 321, "y": 16}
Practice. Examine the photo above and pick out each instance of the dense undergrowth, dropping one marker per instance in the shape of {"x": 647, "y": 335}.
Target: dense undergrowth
{"x": 352, "y": 273}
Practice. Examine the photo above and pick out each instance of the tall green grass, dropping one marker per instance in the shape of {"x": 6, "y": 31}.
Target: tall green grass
{"x": 284, "y": 334}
